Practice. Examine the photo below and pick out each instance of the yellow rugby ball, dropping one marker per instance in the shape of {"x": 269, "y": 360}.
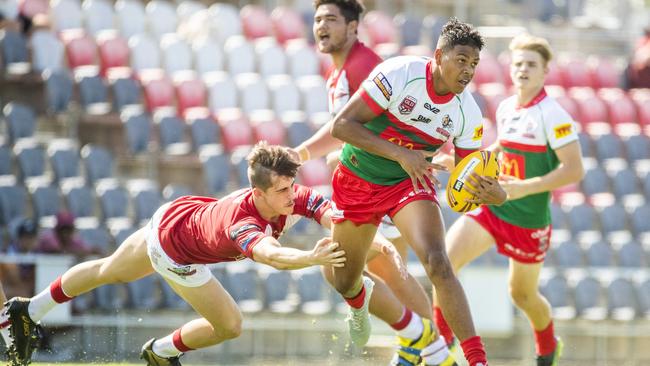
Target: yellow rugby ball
{"x": 483, "y": 163}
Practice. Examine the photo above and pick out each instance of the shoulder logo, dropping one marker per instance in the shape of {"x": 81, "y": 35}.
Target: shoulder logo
{"x": 407, "y": 105}
{"x": 383, "y": 85}
{"x": 562, "y": 130}
{"x": 478, "y": 133}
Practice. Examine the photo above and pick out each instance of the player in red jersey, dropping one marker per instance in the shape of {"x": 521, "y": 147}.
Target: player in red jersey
{"x": 185, "y": 235}
{"x": 335, "y": 31}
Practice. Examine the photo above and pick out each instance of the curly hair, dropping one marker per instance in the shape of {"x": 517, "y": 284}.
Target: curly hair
{"x": 350, "y": 9}
{"x": 455, "y": 33}
{"x": 266, "y": 160}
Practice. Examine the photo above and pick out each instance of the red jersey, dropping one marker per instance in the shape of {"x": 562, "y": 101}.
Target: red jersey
{"x": 201, "y": 230}
{"x": 341, "y": 84}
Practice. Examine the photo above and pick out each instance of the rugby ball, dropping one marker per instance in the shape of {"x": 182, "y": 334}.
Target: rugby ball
{"x": 484, "y": 163}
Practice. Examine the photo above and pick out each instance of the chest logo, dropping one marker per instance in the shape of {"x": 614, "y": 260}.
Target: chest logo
{"x": 422, "y": 119}
{"x": 447, "y": 123}
{"x": 407, "y": 105}
{"x": 431, "y": 108}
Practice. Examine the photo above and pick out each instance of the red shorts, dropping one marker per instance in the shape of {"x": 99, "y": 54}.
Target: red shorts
{"x": 362, "y": 202}
{"x": 521, "y": 244}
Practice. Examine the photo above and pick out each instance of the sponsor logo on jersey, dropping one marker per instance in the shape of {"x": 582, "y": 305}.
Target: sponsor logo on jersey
{"x": 542, "y": 236}
{"x": 562, "y": 130}
{"x": 443, "y": 132}
{"x": 407, "y": 105}
{"x": 513, "y": 165}
{"x": 383, "y": 85}
{"x": 431, "y": 108}
{"x": 447, "y": 123}
{"x": 422, "y": 119}
{"x": 183, "y": 271}
{"x": 478, "y": 133}
{"x": 354, "y": 160}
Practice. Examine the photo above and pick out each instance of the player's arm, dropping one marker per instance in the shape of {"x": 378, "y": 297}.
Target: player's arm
{"x": 319, "y": 145}
{"x": 569, "y": 171}
{"x": 269, "y": 251}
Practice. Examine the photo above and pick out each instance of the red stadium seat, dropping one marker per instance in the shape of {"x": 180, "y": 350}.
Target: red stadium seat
{"x": 256, "y": 22}
{"x": 604, "y": 74}
{"x": 287, "y": 24}
{"x": 190, "y": 91}
{"x": 80, "y": 48}
{"x": 30, "y": 8}
{"x": 267, "y": 127}
{"x": 504, "y": 60}
{"x": 113, "y": 51}
{"x": 489, "y": 133}
{"x": 158, "y": 89}
{"x": 576, "y": 73}
{"x": 489, "y": 70}
{"x": 315, "y": 173}
{"x": 380, "y": 28}
{"x": 621, "y": 107}
{"x": 235, "y": 128}
{"x": 326, "y": 64}
{"x": 641, "y": 98}
{"x": 590, "y": 106}
{"x": 493, "y": 94}
{"x": 570, "y": 106}
{"x": 554, "y": 75}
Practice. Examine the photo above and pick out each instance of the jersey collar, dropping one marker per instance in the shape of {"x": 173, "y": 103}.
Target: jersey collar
{"x": 438, "y": 99}
{"x": 538, "y": 98}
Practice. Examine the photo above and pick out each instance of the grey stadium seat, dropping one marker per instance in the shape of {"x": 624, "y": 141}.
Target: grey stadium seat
{"x": 20, "y": 121}
{"x": 589, "y": 299}
{"x": 621, "y": 299}
{"x": 311, "y": 288}
{"x": 98, "y": 163}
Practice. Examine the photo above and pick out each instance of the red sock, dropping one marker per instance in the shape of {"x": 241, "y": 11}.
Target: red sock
{"x": 357, "y": 301}
{"x": 404, "y": 320}
{"x": 178, "y": 342}
{"x": 57, "y": 292}
{"x": 545, "y": 341}
{"x": 474, "y": 351}
{"x": 442, "y": 325}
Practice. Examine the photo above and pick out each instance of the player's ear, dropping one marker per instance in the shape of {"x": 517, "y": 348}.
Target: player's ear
{"x": 353, "y": 27}
{"x": 437, "y": 55}
{"x": 257, "y": 192}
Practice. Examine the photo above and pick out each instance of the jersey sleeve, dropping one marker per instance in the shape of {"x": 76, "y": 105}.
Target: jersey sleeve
{"x": 470, "y": 135}
{"x": 384, "y": 84}
{"x": 246, "y": 234}
{"x": 310, "y": 203}
{"x": 559, "y": 127}
{"x": 359, "y": 70}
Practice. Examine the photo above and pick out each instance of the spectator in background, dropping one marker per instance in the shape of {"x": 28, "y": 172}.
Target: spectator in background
{"x": 18, "y": 279}
{"x": 63, "y": 239}
{"x": 638, "y": 69}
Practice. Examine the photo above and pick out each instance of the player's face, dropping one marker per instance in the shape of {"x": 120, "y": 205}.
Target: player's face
{"x": 527, "y": 69}
{"x": 331, "y": 32}
{"x": 280, "y": 196}
{"x": 457, "y": 66}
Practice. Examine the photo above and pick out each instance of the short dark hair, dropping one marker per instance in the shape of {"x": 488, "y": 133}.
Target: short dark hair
{"x": 351, "y": 9}
{"x": 455, "y": 33}
{"x": 266, "y": 160}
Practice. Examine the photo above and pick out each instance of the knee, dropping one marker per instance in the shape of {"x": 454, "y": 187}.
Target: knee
{"x": 231, "y": 329}
{"x": 520, "y": 297}
{"x": 344, "y": 285}
{"x": 438, "y": 266}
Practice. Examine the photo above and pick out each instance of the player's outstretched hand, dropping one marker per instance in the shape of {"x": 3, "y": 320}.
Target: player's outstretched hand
{"x": 419, "y": 169}
{"x": 325, "y": 252}
{"x": 514, "y": 187}
{"x": 398, "y": 262}
{"x": 294, "y": 153}
{"x": 486, "y": 190}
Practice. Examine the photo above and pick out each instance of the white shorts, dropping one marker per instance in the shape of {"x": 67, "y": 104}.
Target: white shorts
{"x": 388, "y": 229}
{"x": 188, "y": 275}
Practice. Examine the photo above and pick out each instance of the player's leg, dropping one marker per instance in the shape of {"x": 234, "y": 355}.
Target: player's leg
{"x": 465, "y": 240}
{"x": 4, "y": 320}
{"x": 524, "y": 291}
{"x": 420, "y": 222}
{"x": 221, "y": 320}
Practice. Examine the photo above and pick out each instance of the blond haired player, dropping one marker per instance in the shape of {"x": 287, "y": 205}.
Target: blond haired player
{"x": 540, "y": 152}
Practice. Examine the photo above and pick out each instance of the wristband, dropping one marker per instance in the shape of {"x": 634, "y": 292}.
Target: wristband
{"x": 303, "y": 153}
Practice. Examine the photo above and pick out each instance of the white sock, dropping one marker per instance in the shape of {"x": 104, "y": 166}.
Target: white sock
{"x": 414, "y": 328}
{"x": 435, "y": 353}
{"x": 41, "y": 304}
{"x": 4, "y": 329}
{"x": 164, "y": 347}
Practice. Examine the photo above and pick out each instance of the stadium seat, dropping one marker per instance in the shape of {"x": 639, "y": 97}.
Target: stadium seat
{"x": 287, "y": 24}
{"x": 380, "y": 28}
{"x": 6, "y": 164}
{"x": 158, "y": 90}
{"x": 125, "y": 91}
{"x": 604, "y": 74}
{"x": 277, "y": 286}
{"x": 639, "y": 220}
{"x": 599, "y": 254}
{"x": 613, "y": 218}
{"x": 570, "y": 106}
{"x": 575, "y": 73}
{"x": 146, "y": 197}
{"x": 98, "y": 15}
{"x": 568, "y": 255}
{"x": 271, "y": 59}
{"x": 93, "y": 93}
{"x": 222, "y": 91}
{"x": 216, "y": 168}
{"x": 303, "y": 60}
{"x": 130, "y": 17}
{"x": 98, "y": 163}
{"x": 255, "y": 21}
{"x": 66, "y": 14}
{"x": 208, "y": 56}
{"x": 176, "y": 54}
{"x": 235, "y": 128}
{"x": 46, "y": 202}
{"x": 113, "y": 51}
{"x": 171, "y": 133}
{"x": 14, "y": 53}
{"x": 190, "y": 91}
{"x": 621, "y": 108}
{"x": 161, "y": 18}
{"x": 493, "y": 94}
{"x": 20, "y": 121}
{"x": 13, "y": 199}
{"x": 78, "y": 198}
{"x": 47, "y": 51}
{"x": 145, "y": 53}
{"x": 64, "y": 158}
{"x": 621, "y": 299}
{"x": 590, "y": 302}
{"x": 624, "y": 182}
{"x": 31, "y": 8}
{"x": 267, "y": 127}
{"x": 311, "y": 288}
{"x": 30, "y": 157}
{"x": 586, "y": 145}
{"x": 608, "y": 146}
{"x": 557, "y": 292}
{"x": 187, "y": 8}
{"x": 558, "y": 217}
{"x": 410, "y": 29}
{"x": 204, "y": 131}
{"x": 298, "y": 127}
{"x": 637, "y": 147}
{"x": 240, "y": 55}
{"x": 174, "y": 191}
{"x": 58, "y": 90}
{"x": 314, "y": 94}
{"x": 315, "y": 173}
{"x": 488, "y": 70}
{"x": 113, "y": 199}
{"x": 80, "y": 48}
{"x": 595, "y": 180}
{"x": 226, "y": 21}
{"x": 284, "y": 94}
{"x": 253, "y": 94}
{"x": 643, "y": 296}
{"x": 246, "y": 292}
{"x": 631, "y": 255}
{"x": 431, "y": 28}
{"x": 137, "y": 130}
{"x": 240, "y": 164}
